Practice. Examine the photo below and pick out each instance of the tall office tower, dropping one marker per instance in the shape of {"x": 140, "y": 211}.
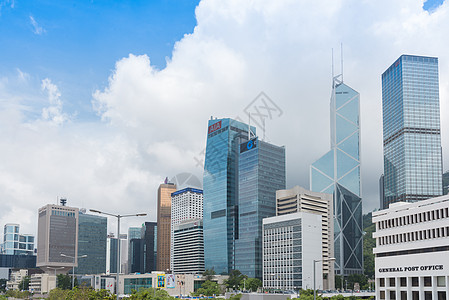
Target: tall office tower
{"x": 92, "y": 232}
{"x": 446, "y": 183}
{"x": 57, "y": 234}
{"x": 261, "y": 173}
{"x": 411, "y": 130}
{"x": 135, "y": 258}
{"x": 188, "y": 252}
{"x": 164, "y": 224}
{"x": 298, "y": 199}
{"x": 15, "y": 243}
{"x": 186, "y": 204}
{"x": 111, "y": 253}
{"x": 338, "y": 173}
{"x": 220, "y": 187}
{"x": 149, "y": 231}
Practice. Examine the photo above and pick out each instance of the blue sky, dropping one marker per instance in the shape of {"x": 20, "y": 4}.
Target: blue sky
{"x": 76, "y": 43}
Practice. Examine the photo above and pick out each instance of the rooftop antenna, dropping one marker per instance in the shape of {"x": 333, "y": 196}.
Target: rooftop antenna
{"x": 341, "y": 53}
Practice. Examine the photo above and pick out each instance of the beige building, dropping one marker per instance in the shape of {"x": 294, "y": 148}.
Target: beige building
{"x": 57, "y": 234}
{"x": 164, "y": 224}
{"x": 299, "y": 199}
{"x": 42, "y": 283}
{"x": 16, "y": 278}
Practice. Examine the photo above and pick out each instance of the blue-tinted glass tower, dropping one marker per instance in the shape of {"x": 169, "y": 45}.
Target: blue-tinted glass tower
{"x": 338, "y": 173}
{"x": 261, "y": 173}
{"x": 92, "y": 234}
{"x": 220, "y": 190}
{"x": 411, "y": 130}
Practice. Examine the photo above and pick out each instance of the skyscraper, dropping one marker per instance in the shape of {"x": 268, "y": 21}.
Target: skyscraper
{"x": 261, "y": 172}
{"x": 411, "y": 130}
{"x": 149, "y": 231}
{"x": 338, "y": 173}
{"x": 92, "y": 233}
{"x": 220, "y": 187}
{"x": 135, "y": 248}
{"x": 164, "y": 224}
{"x": 57, "y": 234}
{"x": 186, "y": 204}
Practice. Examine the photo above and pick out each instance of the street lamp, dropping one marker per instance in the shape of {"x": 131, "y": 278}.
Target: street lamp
{"x": 73, "y": 268}
{"x": 314, "y": 281}
{"x": 118, "y": 239}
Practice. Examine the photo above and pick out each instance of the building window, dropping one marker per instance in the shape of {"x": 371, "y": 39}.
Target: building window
{"x": 427, "y": 281}
{"x": 382, "y": 282}
{"x": 415, "y": 281}
{"x": 403, "y": 295}
{"x": 442, "y": 296}
{"x": 382, "y": 295}
{"x": 403, "y": 281}
{"x": 392, "y": 281}
{"x": 441, "y": 281}
{"x": 427, "y": 295}
{"x": 392, "y": 295}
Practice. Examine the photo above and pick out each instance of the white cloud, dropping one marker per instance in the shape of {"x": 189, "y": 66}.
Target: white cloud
{"x": 154, "y": 121}
{"x": 36, "y": 28}
{"x": 53, "y": 113}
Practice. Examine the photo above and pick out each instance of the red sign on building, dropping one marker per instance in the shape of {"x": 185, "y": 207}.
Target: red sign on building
{"x": 214, "y": 127}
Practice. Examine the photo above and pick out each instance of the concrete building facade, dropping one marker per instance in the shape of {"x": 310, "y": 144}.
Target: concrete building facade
{"x": 299, "y": 199}
{"x": 412, "y": 250}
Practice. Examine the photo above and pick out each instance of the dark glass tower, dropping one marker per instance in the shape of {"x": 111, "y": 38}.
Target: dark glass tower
{"x": 411, "y": 130}
{"x": 220, "y": 187}
{"x": 261, "y": 173}
{"x": 92, "y": 233}
{"x": 338, "y": 173}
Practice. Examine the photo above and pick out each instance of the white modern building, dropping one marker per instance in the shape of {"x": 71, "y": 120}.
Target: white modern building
{"x": 300, "y": 199}
{"x": 412, "y": 250}
{"x": 291, "y": 244}
{"x": 188, "y": 248}
{"x": 15, "y": 243}
{"x": 42, "y": 283}
{"x": 186, "y": 204}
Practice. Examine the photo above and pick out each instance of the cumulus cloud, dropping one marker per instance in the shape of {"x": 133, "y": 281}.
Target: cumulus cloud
{"x": 36, "y": 28}
{"x": 53, "y": 113}
{"x": 153, "y": 122}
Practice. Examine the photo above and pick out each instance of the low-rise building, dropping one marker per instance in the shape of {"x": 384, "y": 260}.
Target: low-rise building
{"x": 412, "y": 250}
{"x": 291, "y": 245}
{"x": 42, "y": 283}
{"x": 15, "y": 279}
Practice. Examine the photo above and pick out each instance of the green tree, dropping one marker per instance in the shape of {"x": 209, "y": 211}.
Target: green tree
{"x": 150, "y": 293}
{"x": 253, "y": 284}
{"x": 209, "y": 288}
{"x": 235, "y": 297}
{"x": 80, "y": 294}
{"x": 360, "y": 278}
{"x": 2, "y": 285}
{"x": 235, "y": 279}
{"x": 24, "y": 284}
{"x": 368, "y": 244}
{"x": 209, "y": 274}
{"x": 64, "y": 282}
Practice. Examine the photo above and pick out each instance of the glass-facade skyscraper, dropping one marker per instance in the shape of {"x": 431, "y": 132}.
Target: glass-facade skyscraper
{"x": 411, "y": 130}
{"x": 338, "y": 173}
{"x": 220, "y": 190}
{"x": 92, "y": 234}
{"x": 261, "y": 173}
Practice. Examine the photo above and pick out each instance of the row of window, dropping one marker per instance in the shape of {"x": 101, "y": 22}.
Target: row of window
{"x": 412, "y": 281}
{"x": 425, "y": 234}
{"x": 415, "y": 218}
